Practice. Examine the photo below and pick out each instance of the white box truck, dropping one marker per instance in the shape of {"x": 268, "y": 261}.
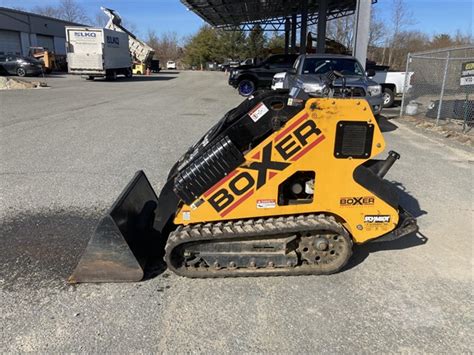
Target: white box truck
{"x": 98, "y": 52}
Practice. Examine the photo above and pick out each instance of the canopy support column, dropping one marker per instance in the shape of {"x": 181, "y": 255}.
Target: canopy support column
{"x": 361, "y": 30}
{"x": 287, "y": 35}
{"x": 304, "y": 25}
{"x": 322, "y": 19}
{"x": 293, "y": 33}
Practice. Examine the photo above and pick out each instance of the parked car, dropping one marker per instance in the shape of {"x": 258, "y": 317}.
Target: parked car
{"x": 393, "y": 84}
{"x": 309, "y": 73}
{"x": 278, "y": 81}
{"x": 248, "y": 78}
{"x": 170, "y": 65}
{"x": 228, "y": 65}
{"x": 21, "y": 66}
{"x": 248, "y": 61}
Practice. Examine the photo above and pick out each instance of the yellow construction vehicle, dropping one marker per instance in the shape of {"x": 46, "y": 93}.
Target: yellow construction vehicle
{"x": 139, "y": 69}
{"x": 283, "y": 184}
{"x": 49, "y": 59}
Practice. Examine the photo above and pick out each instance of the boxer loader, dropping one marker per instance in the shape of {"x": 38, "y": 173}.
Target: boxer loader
{"x": 283, "y": 184}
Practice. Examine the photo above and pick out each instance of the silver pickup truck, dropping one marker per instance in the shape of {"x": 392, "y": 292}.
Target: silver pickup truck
{"x": 309, "y": 73}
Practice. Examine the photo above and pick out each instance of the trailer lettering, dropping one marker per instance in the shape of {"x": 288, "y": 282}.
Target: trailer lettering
{"x": 113, "y": 40}
{"x": 85, "y": 34}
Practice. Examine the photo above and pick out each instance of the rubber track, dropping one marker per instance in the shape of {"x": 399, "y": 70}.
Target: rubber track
{"x": 252, "y": 228}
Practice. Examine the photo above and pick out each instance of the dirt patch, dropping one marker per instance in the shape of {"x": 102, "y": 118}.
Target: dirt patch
{"x": 447, "y": 130}
{"x": 7, "y": 83}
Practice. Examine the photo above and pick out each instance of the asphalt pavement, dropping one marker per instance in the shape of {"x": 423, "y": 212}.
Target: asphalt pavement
{"x": 66, "y": 152}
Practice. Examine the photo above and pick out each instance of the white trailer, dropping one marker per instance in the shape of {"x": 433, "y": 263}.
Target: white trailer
{"x": 98, "y": 52}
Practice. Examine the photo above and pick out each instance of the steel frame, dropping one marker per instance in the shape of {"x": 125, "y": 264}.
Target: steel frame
{"x": 269, "y": 19}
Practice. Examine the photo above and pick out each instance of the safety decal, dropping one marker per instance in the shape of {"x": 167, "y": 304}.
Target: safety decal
{"x": 266, "y": 203}
{"x": 258, "y": 111}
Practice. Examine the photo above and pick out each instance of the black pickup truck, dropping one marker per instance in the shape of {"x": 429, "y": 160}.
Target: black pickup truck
{"x": 248, "y": 78}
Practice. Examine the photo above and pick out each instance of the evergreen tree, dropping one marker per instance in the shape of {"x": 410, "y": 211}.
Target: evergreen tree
{"x": 256, "y": 43}
{"x": 202, "y": 47}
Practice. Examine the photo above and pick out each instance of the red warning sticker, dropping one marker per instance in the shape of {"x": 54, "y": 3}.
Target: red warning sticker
{"x": 267, "y": 203}
{"x": 258, "y": 112}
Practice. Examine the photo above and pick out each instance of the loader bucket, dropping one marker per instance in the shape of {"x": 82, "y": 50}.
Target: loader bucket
{"x": 118, "y": 248}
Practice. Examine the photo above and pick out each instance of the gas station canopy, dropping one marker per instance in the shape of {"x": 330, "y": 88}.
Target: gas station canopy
{"x": 269, "y": 14}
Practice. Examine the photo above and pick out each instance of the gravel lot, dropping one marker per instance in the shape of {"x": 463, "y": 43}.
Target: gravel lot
{"x": 67, "y": 152}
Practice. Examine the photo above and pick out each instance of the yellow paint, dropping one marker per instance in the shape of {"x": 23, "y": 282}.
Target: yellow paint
{"x": 333, "y": 176}
{"x": 139, "y": 69}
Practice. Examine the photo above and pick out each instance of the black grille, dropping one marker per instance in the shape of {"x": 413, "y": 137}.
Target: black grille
{"x": 350, "y": 92}
{"x": 207, "y": 169}
{"x": 353, "y": 139}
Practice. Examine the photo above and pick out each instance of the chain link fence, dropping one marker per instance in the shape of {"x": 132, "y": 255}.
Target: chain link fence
{"x": 440, "y": 87}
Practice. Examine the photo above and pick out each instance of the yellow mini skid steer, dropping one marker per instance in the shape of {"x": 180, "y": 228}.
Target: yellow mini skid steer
{"x": 283, "y": 184}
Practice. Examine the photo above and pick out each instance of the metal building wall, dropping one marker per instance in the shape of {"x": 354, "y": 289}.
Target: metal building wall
{"x": 29, "y": 27}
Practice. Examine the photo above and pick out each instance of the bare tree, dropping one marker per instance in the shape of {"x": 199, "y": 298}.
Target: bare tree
{"x": 378, "y": 30}
{"x": 68, "y": 10}
{"x": 47, "y": 10}
{"x": 401, "y": 18}
{"x": 377, "y": 35}
{"x": 166, "y": 46}
{"x": 152, "y": 39}
{"x": 100, "y": 19}
{"x": 130, "y": 26}
{"x": 71, "y": 11}
{"x": 341, "y": 30}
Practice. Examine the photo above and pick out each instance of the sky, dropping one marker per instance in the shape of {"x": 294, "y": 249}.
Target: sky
{"x": 430, "y": 16}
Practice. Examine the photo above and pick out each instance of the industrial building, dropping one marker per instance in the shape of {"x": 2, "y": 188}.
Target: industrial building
{"x": 20, "y": 30}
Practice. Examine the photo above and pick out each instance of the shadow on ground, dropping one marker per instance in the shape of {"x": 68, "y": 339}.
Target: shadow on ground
{"x": 42, "y": 250}
{"x": 385, "y": 125}
{"x": 411, "y": 205}
{"x": 142, "y": 78}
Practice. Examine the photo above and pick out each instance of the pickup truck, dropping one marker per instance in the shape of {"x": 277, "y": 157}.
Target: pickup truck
{"x": 392, "y": 85}
{"x": 248, "y": 78}
{"x": 309, "y": 73}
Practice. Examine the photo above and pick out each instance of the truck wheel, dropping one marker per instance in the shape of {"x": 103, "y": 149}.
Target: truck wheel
{"x": 111, "y": 75}
{"x": 21, "y": 72}
{"x": 246, "y": 87}
{"x": 388, "y": 97}
{"x": 128, "y": 73}
{"x": 90, "y": 77}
